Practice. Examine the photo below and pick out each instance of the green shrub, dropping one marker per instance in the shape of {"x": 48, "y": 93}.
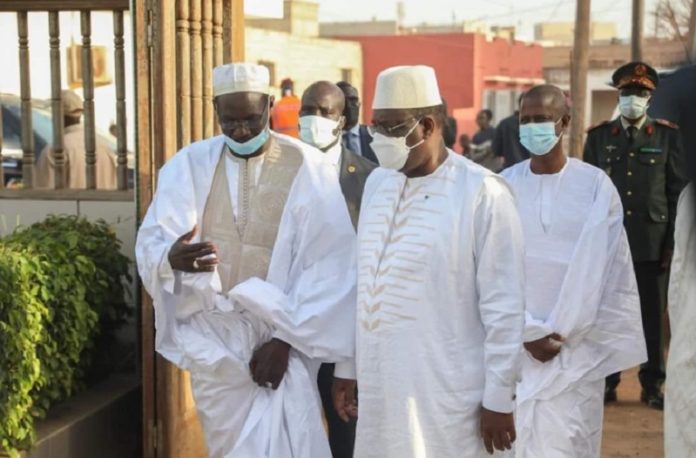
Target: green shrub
{"x": 23, "y": 318}
{"x": 77, "y": 277}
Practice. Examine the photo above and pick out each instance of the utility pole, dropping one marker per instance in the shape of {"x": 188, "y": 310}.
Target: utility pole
{"x": 692, "y": 33}
{"x": 637, "y": 30}
{"x": 578, "y": 76}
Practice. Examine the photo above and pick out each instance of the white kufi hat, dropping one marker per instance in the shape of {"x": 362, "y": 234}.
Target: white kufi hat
{"x": 406, "y": 87}
{"x": 240, "y": 77}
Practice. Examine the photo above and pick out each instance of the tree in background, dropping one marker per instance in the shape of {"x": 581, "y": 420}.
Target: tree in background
{"x": 672, "y": 19}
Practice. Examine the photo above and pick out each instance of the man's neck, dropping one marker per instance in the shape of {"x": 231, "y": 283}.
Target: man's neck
{"x": 549, "y": 164}
{"x": 433, "y": 160}
{"x": 326, "y": 149}
{"x": 634, "y": 122}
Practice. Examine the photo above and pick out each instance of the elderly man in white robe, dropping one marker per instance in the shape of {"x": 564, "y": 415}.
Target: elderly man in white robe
{"x": 583, "y": 317}
{"x": 680, "y": 396}
{"x": 440, "y": 290}
{"x": 249, "y": 254}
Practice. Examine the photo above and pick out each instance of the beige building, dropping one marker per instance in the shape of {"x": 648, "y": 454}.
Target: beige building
{"x": 561, "y": 33}
{"x": 291, "y": 48}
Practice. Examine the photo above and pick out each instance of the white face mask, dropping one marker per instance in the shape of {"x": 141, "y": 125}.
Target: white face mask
{"x": 633, "y": 106}
{"x": 318, "y": 131}
{"x": 392, "y": 152}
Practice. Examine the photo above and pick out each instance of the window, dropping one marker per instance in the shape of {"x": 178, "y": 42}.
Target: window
{"x": 271, "y": 71}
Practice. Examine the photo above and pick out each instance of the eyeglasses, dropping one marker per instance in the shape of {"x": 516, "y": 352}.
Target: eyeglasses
{"x": 253, "y": 123}
{"x": 399, "y": 130}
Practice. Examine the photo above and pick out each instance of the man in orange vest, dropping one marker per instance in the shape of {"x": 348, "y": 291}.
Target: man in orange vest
{"x": 286, "y": 112}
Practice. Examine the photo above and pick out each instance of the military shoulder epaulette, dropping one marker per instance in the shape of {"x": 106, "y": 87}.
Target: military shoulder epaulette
{"x": 603, "y": 123}
{"x": 664, "y": 122}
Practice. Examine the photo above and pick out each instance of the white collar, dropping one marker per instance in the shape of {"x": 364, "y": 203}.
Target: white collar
{"x": 355, "y": 130}
{"x": 639, "y": 125}
{"x": 334, "y": 154}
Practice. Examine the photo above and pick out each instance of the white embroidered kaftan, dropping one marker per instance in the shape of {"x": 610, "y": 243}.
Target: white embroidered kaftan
{"x": 287, "y": 270}
{"x": 680, "y": 397}
{"x": 581, "y": 285}
{"x": 440, "y": 310}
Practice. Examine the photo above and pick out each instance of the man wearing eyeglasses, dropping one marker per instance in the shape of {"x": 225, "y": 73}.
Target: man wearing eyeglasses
{"x": 249, "y": 254}
{"x": 440, "y": 289}
{"x": 644, "y": 159}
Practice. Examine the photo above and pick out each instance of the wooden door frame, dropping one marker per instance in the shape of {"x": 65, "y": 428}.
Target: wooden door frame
{"x": 154, "y": 35}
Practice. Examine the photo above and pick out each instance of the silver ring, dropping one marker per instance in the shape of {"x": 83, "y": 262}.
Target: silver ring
{"x": 269, "y": 385}
{"x": 195, "y": 264}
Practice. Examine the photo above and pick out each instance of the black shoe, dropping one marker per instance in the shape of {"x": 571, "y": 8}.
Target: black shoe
{"x": 653, "y": 399}
{"x": 610, "y": 395}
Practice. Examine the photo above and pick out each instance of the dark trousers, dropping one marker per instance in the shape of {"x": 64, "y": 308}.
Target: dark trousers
{"x": 341, "y": 434}
{"x": 652, "y": 288}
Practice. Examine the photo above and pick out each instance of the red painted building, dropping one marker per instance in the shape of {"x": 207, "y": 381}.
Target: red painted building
{"x": 473, "y": 73}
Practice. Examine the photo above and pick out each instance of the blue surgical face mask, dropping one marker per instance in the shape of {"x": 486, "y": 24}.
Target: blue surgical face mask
{"x": 250, "y": 146}
{"x": 539, "y": 137}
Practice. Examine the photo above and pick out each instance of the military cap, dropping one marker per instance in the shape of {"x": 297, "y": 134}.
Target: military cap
{"x": 635, "y": 74}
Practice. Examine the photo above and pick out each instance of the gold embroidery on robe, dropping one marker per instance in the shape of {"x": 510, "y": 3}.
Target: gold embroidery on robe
{"x": 245, "y": 243}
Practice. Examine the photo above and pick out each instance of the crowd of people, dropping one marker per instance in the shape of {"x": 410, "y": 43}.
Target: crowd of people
{"x": 363, "y": 290}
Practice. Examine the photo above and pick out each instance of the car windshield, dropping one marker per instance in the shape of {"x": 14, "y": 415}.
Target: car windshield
{"x": 41, "y": 122}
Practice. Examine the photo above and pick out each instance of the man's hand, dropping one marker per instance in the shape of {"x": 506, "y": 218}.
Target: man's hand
{"x": 666, "y": 259}
{"x": 186, "y": 256}
{"x": 343, "y": 393}
{"x": 269, "y": 363}
{"x": 546, "y": 348}
{"x": 497, "y": 430}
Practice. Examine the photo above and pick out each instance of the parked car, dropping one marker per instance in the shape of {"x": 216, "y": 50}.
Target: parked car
{"x": 42, "y": 125}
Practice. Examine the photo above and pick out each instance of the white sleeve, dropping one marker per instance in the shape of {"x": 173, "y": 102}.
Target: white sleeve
{"x": 534, "y": 329}
{"x": 346, "y": 370}
{"x": 316, "y": 240}
{"x": 173, "y": 213}
{"x": 499, "y": 256}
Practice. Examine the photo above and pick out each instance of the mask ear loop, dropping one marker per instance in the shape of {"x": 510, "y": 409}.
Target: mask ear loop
{"x": 410, "y": 132}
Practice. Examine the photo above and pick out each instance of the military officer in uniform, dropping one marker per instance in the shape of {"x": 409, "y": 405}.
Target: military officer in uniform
{"x": 644, "y": 159}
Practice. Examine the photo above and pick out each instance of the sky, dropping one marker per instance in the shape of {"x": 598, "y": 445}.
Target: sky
{"x": 523, "y": 15}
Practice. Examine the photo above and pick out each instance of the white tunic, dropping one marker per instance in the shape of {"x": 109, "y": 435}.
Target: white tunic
{"x": 440, "y": 310}
{"x": 680, "y": 396}
{"x": 306, "y": 300}
{"x": 580, "y": 284}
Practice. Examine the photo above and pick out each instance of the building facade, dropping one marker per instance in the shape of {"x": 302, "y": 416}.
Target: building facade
{"x": 473, "y": 72}
{"x": 604, "y": 59}
{"x": 563, "y": 33}
{"x": 291, "y": 48}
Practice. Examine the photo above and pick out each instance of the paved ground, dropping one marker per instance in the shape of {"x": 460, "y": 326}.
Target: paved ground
{"x": 630, "y": 428}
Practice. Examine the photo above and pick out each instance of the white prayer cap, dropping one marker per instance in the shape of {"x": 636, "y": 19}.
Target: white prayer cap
{"x": 406, "y": 87}
{"x": 240, "y": 77}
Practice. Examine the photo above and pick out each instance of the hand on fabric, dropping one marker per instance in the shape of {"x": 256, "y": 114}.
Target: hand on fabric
{"x": 546, "y": 348}
{"x": 343, "y": 393}
{"x": 187, "y": 257}
{"x": 666, "y": 259}
{"x": 497, "y": 430}
{"x": 269, "y": 363}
